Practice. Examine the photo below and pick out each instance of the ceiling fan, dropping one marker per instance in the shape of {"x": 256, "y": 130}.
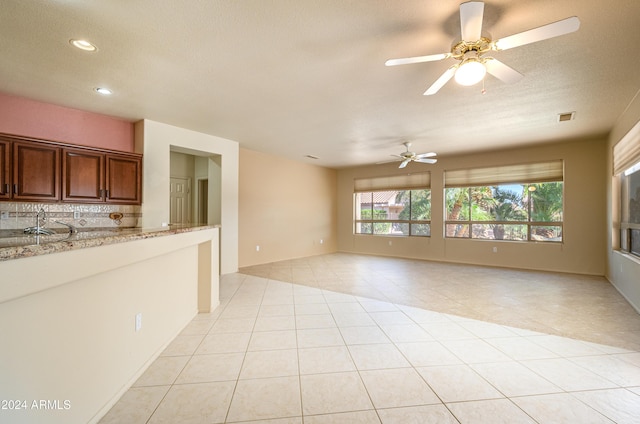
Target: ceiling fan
{"x": 471, "y": 52}
{"x": 408, "y": 156}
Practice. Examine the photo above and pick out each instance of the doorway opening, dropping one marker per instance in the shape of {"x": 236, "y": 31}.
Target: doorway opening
{"x": 196, "y": 190}
{"x": 203, "y": 200}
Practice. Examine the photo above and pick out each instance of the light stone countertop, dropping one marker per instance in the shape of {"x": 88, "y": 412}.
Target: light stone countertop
{"x": 16, "y": 246}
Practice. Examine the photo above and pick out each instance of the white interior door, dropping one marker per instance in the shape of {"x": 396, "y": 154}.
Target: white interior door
{"x": 180, "y": 198}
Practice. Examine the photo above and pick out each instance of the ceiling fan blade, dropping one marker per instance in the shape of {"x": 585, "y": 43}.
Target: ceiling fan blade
{"x": 404, "y": 163}
{"x": 425, "y": 155}
{"x": 425, "y": 160}
{"x": 544, "y": 32}
{"x": 440, "y": 82}
{"x": 471, "y": 14}
{"x": 417, "y": 59}
{"x": 501, "y": 71}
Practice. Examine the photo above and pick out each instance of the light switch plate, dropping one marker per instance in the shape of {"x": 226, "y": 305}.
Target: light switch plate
{"x": 138, "y": 321}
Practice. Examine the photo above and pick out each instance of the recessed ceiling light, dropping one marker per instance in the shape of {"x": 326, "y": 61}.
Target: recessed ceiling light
{"x": 83, "y": 45}
{"x": 104, "y": 91}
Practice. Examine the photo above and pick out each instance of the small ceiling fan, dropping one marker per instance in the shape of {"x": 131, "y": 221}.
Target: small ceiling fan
{"x": 408, "y": 156}
{"x": 471, "y": 52}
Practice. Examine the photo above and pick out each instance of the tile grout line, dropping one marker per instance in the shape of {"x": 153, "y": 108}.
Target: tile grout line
{"x": 246, "y": 351}
{"x": 357, "y": 300}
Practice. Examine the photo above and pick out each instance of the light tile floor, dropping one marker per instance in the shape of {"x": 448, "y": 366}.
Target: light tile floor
{"x": 579, "y": 306}
{"x": 282, "y": 353}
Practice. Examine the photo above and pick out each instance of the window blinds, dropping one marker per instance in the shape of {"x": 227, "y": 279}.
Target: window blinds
{"x": 523, "y": 173}
{"x": 627, "y": 152}
{"x": 392, "y": 182}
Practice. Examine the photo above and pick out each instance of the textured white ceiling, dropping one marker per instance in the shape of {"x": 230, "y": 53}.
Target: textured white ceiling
{"x": 299, "y": 77}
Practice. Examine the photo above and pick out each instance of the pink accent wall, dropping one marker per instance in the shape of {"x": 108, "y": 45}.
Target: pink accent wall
{"x": 29, "y": 118}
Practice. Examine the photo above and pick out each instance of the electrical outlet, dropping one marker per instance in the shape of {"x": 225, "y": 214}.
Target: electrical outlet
{"x": 76, "y": 214}
{"x": 390, "y": 242}
{"x": 495, "y": 250}
{"x": 321, "y": 241}
{"x": 4, "y": 215}
{"x": 138, "y": 321}
{"x": 257, "y": 248}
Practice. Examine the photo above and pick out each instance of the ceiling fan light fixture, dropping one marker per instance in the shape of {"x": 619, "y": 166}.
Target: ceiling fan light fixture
{"x": 470, "y": 72}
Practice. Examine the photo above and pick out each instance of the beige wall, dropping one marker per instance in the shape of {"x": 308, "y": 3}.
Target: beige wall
{"x": 286, "y": 208}
{"x": 584, "y": 247}
{"x": 67, "y": 319}
{"x": 622, "y": 270}
{"x": 182, "y": 165}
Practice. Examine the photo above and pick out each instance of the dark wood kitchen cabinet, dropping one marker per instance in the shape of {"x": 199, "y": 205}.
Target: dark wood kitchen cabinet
{"x": 123, "y": 180}
{"x": 29, "y": 171}
{"x": 95, "y": 177}
{"x": 36, "y": 172}
{"x": 5, "y": 169}
{"x": 82, "y": 176}
{"x": 49, "y": 171}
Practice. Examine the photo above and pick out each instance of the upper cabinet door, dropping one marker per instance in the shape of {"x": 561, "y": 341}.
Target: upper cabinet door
{"x": 82, "y": 176}
{"x": 36, "y": 172}
{"x": 5, "y": 169}
{"x": 124, "y": 179}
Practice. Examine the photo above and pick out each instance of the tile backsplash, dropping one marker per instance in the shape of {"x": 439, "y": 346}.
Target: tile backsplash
{"x": 19, "y": 215}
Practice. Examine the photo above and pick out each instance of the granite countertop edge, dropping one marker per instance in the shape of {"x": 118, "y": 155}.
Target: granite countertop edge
{"x": 100, "y": 239}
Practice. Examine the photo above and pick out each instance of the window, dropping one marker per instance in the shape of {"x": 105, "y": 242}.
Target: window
{"x": 626, "y": 166}
{"x": 515, "y": 202}
{"x": 397, "y": 205}
{"x": 630, "y": 223}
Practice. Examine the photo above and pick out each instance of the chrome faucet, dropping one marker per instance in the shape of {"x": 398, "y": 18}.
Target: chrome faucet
{"x": 72, "y": 229}
{"x": 38, "y": 229}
